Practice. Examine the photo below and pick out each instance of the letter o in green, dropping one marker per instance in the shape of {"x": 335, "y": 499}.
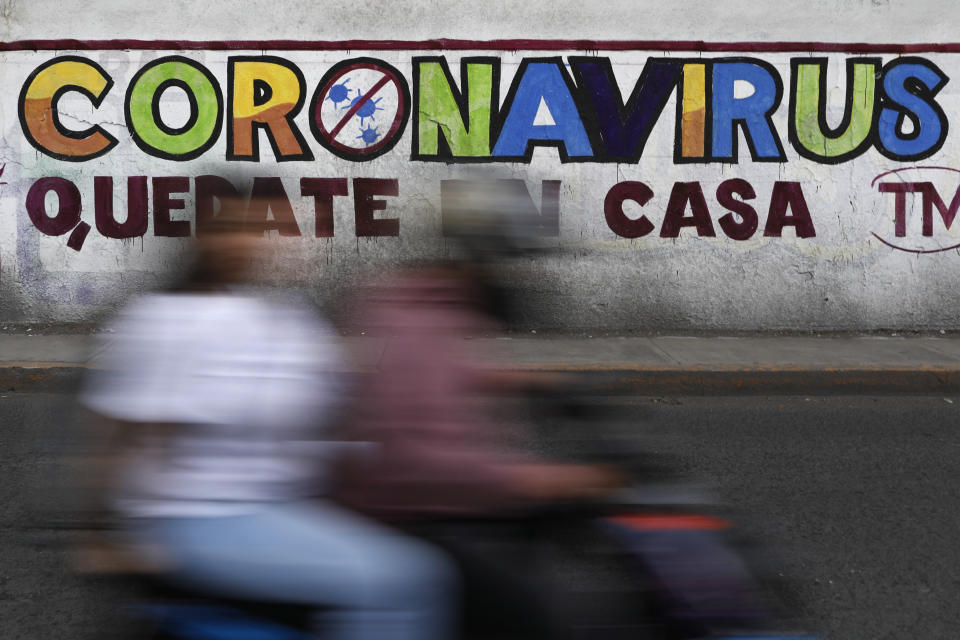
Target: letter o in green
{"x": 142, "y": 108}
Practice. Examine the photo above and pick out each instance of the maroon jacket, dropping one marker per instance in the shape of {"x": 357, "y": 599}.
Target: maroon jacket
{"x": 437, "y": 450}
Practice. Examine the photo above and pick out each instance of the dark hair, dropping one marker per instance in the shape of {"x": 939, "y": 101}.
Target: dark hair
{"x": 202, "y": 275}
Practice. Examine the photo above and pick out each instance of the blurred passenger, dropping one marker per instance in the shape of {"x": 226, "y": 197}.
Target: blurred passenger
{"x": 220, "y": 397}
{"x": 439, "y": 449}
{"x": 441, "y": 466}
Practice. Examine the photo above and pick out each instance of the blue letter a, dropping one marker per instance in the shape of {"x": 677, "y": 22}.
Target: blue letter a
{"x": 542, "y": 80}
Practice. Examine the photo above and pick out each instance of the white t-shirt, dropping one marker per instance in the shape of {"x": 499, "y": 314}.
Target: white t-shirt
{"x": 246, "y": 384}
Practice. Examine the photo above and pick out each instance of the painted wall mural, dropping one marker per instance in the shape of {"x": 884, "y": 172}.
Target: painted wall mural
{"x": 464, "y": 119}
{"x": 845, "y": 148}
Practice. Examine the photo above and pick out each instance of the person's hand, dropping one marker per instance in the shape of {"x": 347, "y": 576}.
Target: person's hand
{"x": 524, "y": 381}
{"x": 566, "y": 481}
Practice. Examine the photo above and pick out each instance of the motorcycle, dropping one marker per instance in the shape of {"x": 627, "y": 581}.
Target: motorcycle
{"x": 660, "y": 557}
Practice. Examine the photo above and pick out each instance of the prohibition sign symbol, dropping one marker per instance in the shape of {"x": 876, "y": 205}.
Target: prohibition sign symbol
{"x": 352, "y": 106}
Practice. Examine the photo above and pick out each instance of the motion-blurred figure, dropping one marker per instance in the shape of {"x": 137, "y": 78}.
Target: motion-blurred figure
{"x": 441, "y": 465}
{"x": 547, "y": 549}
{"x": 440, "y": 450}
{"x": 217, "y": 396}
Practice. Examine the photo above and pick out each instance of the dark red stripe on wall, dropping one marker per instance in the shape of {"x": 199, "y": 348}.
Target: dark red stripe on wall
{"x": 484, "y": 45}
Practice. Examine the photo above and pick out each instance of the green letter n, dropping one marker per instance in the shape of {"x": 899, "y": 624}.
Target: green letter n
{"x": 465, "y": 122}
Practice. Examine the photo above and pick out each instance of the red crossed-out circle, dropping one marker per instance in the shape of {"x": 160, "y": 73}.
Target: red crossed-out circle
{"x": 327, "y": 137}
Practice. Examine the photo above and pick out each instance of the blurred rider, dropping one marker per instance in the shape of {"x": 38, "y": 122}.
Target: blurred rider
{"x": 442, "y": 465}
{"x": 218, "y": 395}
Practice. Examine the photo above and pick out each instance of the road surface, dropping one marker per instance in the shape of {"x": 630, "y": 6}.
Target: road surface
{"x": 859, "y": 496}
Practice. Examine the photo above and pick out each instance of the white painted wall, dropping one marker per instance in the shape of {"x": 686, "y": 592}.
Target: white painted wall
{"x": 827, "y": 20}
{"x": 843, "y": 279}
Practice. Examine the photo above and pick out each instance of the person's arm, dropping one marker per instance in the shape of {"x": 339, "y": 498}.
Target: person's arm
{"x": 118, "y": 438}
{"x": 520, "y": 380}
{"x": 96, "y": 552}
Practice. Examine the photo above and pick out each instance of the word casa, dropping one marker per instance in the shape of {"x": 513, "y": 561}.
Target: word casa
{"x": 687, "y": 207}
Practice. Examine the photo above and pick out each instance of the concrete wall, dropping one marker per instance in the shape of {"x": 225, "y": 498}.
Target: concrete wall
{"x": 719, "y": 197}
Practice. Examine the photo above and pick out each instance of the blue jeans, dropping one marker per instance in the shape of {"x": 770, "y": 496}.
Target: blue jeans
{"x": 373, "y": 583}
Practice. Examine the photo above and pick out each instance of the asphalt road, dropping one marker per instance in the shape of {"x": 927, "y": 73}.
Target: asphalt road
{"x": 858, "y": 496}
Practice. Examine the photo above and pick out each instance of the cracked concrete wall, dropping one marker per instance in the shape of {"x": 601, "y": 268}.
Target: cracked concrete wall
{"x": 843, "y": 278}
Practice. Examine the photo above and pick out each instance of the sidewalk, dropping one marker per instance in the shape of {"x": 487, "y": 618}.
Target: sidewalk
{"x": 638, "y": 365}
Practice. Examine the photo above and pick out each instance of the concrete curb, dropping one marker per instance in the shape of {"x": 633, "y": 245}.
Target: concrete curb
{"x": 50, "y": 377}
{"x": 629, "y": 378}
{"x": 766, "y": 380}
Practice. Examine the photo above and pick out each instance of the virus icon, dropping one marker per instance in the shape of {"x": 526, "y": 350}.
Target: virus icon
{"x": 339, "y": 93}
{"x": 367, "y": 109}
{"x": 369, "y": 135}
